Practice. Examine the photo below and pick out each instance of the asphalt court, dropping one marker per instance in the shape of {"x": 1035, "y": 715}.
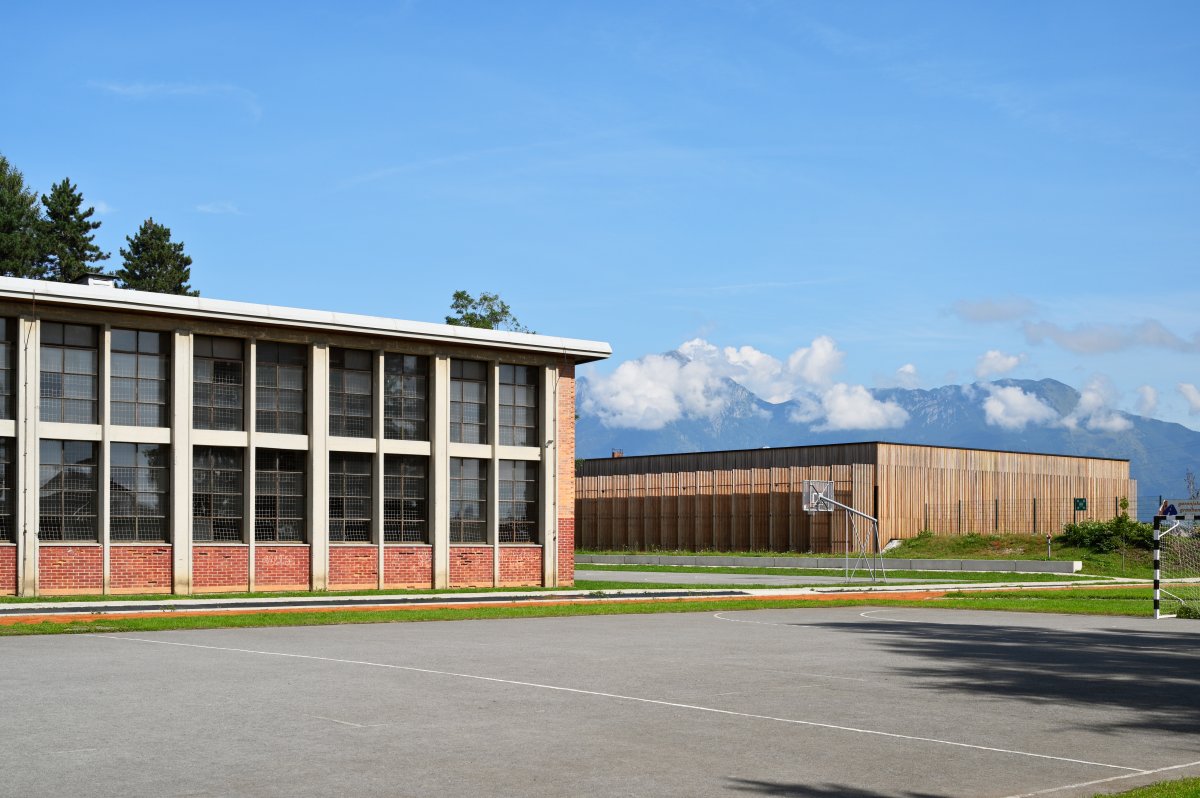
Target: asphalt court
{"x": 823, "y": 702}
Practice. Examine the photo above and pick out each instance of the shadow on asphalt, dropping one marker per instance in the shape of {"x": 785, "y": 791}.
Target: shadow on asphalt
{"x": 1152, "y": 677}
{"x": 820, "y": 790}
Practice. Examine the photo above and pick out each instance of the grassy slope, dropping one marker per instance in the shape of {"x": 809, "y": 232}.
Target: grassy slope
{"x": 941, "y": 576}
{"x": 978, "y": 547}
{"x": 1179, "y": 788}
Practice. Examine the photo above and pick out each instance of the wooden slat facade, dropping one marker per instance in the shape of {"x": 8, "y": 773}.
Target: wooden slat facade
{"x": 750, "y": 500}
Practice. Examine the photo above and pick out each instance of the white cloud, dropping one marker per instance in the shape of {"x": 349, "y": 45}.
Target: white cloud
{"x": 853, "y": 407}
{"x": 816, "y": 364}
{"x": 142, "y": 91}
{"x": 219, "y": 207}
{"x": 992, "y": 310}
{"x": 1147, "y": 403}
{"x": 653, "y": 391}
{"x": 1011, "y": 408}
{"x": 907, "y": 376}
{"x": 1088, "y": 339}
{"x": 993, "y": 363}
{"x": 103, "y": 207}
{"x": 1192, "y": 394}
{"x": 1094, "y": 410}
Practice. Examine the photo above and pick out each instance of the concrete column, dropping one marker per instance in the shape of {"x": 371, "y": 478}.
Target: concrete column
{"x": 548, "y": 476}
{"x": 439, "y": 468}
{"x": 377, "y": 471}
{"x": 249, "y": 404}
{"x": 318, "y": 466}
{"x": 104, "y": 458}
{"x": 493, "y": 480}
{"x": 181, "y": 461}
{"x": 28, "y": 483}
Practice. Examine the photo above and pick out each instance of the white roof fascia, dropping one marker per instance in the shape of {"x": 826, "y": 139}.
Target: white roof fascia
{"x": 252, "y": 313}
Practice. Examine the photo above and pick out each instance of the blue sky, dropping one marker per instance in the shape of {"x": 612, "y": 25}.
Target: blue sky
{"x": 919, "y": 183}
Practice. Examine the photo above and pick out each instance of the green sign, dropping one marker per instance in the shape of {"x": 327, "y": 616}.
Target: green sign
{"x": 1080, "y": 505}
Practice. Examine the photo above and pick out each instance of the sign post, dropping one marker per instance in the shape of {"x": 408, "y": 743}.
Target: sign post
{"x": 1080, "y": 507}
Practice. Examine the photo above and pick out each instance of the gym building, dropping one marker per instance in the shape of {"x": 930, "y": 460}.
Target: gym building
{"x": 751, "y": 499}
{"x": 153, "y": 443}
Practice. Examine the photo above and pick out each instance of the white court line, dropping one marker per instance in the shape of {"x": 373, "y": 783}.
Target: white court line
{"x": 1103, "y": 781}
{"x": 721, "y": 617}
{"x": 868, "y": 614}
{"x": 348, "y": 723}
{"x": 656, "y": 702}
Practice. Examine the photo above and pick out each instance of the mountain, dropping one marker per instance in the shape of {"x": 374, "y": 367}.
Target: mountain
{"x": 1160, "y": 453}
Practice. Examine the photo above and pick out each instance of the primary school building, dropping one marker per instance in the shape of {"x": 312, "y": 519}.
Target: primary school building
{"x": 153, "y": 443}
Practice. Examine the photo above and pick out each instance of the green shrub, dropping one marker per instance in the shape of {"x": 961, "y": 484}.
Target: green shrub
{"x": 1108, "y": 535}
{"x": 1188, "y": 611}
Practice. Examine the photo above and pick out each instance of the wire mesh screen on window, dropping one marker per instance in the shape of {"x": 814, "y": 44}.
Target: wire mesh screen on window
{"x": 350, "y": 393}
{"x": 217, "y": 494}
{"x": 218, "y": 383}
{"x": 280, "y": 497}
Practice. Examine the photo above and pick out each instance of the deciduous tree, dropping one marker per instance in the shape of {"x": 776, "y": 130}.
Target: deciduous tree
{"x": 487, "y": 312}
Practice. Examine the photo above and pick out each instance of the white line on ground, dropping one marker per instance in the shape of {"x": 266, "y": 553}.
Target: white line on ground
{"x": 617, "y": 696}
{"x": 868, "y": 614}
{"x": 348, "y": 723}
{"x": 1104, "y": 781}
{"x": 721, "y": 617}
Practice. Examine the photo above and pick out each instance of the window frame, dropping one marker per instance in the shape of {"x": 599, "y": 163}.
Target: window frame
{"x": 209, "y": 453}
{"x": 279, "y": 357}
{"x": 396, "y": 426}
{"x": 339, "y": 395}
{"x": 341, "y": 497}
{"x": 397, "y": 527}
{"x": 511, "y": 389}
{"x": 198, "y": 359}
{"x": 163, "y": 493}
{"x": 267, "y": 526}
{"x": 62, "y": 331}
{"x": 459, "y": 403}
{"x": 164, "y": 355}
{"x": 461, "y": 525}
{"x": 511, "y": 529}
{"x": 63, "y": 463}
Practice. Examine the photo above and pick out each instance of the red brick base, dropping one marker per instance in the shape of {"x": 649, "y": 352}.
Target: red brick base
{"x": 408, "y": 567}
{"x": 8, "y": 570}
{"x": 520, "y": 565}
{"x": 566, "y": 552}
{"x": 470, "y": 566}
{"x": 140, "y": 569}
{"x": 220, "y": 569}
{"x": 282, "y": 568}
{"x": 353, "y": 567}
{"x": 66, "y": 570}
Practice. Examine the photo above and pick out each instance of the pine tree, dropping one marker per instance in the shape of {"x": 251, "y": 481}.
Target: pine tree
{"x": 22, "y": 250}
{"x": 154, "y": 262}
{"x": 69, "y": 234}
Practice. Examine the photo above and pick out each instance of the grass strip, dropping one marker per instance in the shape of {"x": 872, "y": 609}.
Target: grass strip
{"x": 1178, "y": 788}
{"x": 1129, "y": 602}
{"x": 940, "y": 576}
{"x": 175, "y": 597}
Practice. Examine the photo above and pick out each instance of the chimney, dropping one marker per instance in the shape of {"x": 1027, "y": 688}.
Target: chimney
{"x": 97, "y": 279}
{"x": 618, "y": 452}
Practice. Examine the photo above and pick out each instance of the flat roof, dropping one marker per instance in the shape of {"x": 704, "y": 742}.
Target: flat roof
{"x": 854, "y": 443}
{"x": 16, "y": 288}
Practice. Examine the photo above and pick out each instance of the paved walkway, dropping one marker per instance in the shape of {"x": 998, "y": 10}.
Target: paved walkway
{"x": 687, "y": 578}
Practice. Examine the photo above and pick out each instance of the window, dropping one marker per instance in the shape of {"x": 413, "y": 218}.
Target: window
{"x": 279, "y": 387}
{"x": 468, "y": 401}
{"x": 350, "y": 393}
{"x": 140, "y": 368}
{"x": 405, "y": 396}
{"x": 217, "y": 503}
{"x": 67, "y": 489}
{"x": 279, "y": 498}
{"x": 140, "y": 484}
{"x": 69, "y": 363}
{"x": 349, "y": 497}
{"x": 518, "y": 406}
{"x": 518, "y": 501}
{"x": 218, "y": 381}
{"x": 468, "y": 500}
{"x": 8, "y": 328}
{"x": 405, "y": 499}
{"x": 8, "y": 529}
